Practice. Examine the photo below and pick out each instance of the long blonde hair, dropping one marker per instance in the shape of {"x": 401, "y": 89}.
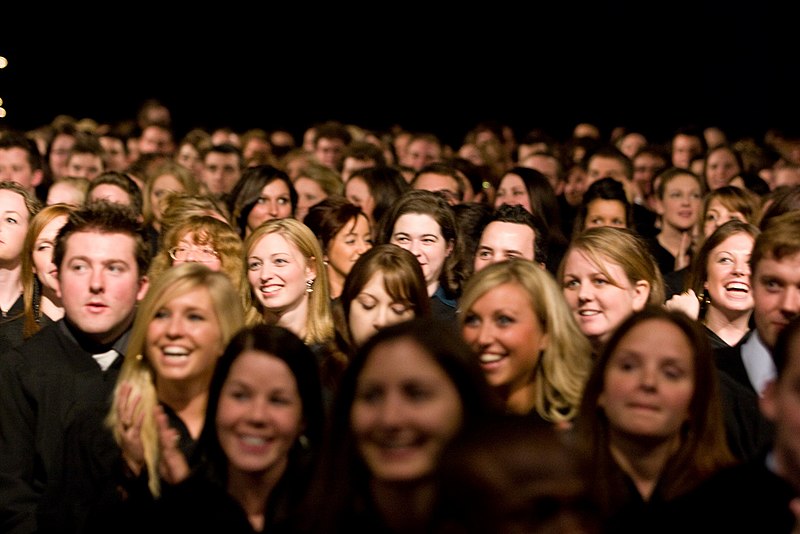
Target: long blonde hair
{"x": 136, "y": 368}
{"x": 565, "y": 363}
{"x": 319, "y": 323}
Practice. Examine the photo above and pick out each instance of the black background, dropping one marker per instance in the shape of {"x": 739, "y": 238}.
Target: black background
{"x": 612, "y": 63}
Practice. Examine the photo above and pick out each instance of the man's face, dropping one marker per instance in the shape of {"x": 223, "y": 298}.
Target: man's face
{"x": 328, "y": 151}
{"x": 502, "y": 241}
{"x": 14, "y": 167}
{"x": 776, "y": 294}
{"x": 100, "y": 283}
{"x": 221, "y": 172}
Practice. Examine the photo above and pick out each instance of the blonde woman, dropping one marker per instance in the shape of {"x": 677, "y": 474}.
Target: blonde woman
{"x": 531, "y": 350}
{"x": 181, "y": 329}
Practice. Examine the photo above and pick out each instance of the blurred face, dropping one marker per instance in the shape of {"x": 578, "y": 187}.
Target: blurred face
{"x": 405, "y": 411}
{"x": 156, "y": 140}
{"x": 116, "y": 156}
{"x": 649, "y": 383}
{"x": 502, "y": 241}
{"x": 575, "y": 186}
{"x": 645, "y": 168}
{"x": 42, "y": 254}
{"x": 374, "y": 309}
{"x": 421, "y": 235}
{"x": 184, "y": 339}
{"x": 13, "y": 227}
{"x": 220, "y": 172}
{"x": 512, "y": 191}
{"x": 601, "y": 166}
{"x": 275, "y": 202}
{"x": 721, "y": 166}
{"x": 100, "y": 284}
{"x": 189, "y": 158}
{"x": 59, "y": 152}
{"x": 419, "y": 153}
{"x": 446, "y": 185}
{"x": 277, "y": 272}
{"x": 680, "y": 206}
{"x": 505, "y": 332}
{"x": 309, "y": 193}
{"x": 603, "y": 212}
{"x": 776, "y": 295}
{"x": 684, "y": 148}
{"x": 599, "y": 303}
{"x": 328, "y": 151}
{"x": 717, "y": 215}
{"x": 163, "y": 186}
{"x": 631, "y": 144}
{"x": 14, "y": 167}
{"x": 547, "y": 165}
{"x": 110, "y": 193}
{"x": 260, "y": 413}
{"x": 357, "y": 192}
{"x": 85, "y": 165}
{"x": 348, "y": 245}
{"x": 728, "y": 279}
{"x": 351, "y": 165}
{"x": 64, "y": 193}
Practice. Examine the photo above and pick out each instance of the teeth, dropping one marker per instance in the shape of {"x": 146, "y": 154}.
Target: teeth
{"x": 253, "y": 440}
{"x": 175, "y": 351}
{"x": 490, "y": 358}
{"x": 737, "y": 286}
{"x": 586, "y": 313}
{"x": 270, "y": 289}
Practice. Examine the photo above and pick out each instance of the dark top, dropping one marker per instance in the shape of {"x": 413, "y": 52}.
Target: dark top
{"x": 47, "y": 385}
{"x": 663, "y": 257}
{"x": 11, "y": 323}
{"x": 443, "y": 305}
{"x": 748, "y": 497}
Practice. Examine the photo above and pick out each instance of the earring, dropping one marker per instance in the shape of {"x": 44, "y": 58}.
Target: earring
{"x": 304, "y": 442}
{"x": 309, "y": 286}
{"x": 139, "y": 357}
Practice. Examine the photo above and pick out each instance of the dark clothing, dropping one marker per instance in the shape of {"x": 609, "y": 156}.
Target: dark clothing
{"x": 748, "y": 497}
{"x": 11, "y": 324}
{"x": 443, "y": 306}
{"x": 748, "y": 432}
{"x": 47, "y": 385}
{"x": 729, "y": 360}
{"x": 674, "y": 283}
{"x": 644, "y": 221}
{"x": 664, "y": 258}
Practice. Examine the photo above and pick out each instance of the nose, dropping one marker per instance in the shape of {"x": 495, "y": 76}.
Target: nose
{"x": 379, "y": 320}
{"x": 414, "y": 248}
{"x": 362, "y": 247}
{"x": 741, "y": 266}
{"x": 585, "y": 292}
{"x": 175, "y": 326}
{"x": 485, "y": 334}
{"x": 391, "y": 410}
{"x": 258, "y": 412}
{"x": 648, "y": 377}
{"x": 96, "y": 281}
{"x": 790, "y": 301}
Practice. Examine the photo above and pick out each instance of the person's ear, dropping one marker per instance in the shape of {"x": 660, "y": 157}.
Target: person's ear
{"x": 641, "y": 294}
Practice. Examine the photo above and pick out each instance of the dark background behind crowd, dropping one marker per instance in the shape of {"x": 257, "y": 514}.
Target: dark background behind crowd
{"x": 440, "y": 69}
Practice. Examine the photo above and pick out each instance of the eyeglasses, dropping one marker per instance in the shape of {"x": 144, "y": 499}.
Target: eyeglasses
{"x": 200, "y": 255}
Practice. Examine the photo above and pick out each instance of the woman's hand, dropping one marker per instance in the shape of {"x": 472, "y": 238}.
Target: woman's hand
{"x": 173, "y": 467}
{"x": 686, "y": 302}
{"x": 129, "y": 428}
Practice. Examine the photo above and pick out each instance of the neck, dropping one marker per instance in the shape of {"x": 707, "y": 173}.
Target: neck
{"x": 404, "y": 507}
{"x": 294, "y": 318}
{"x": 729, "y": 325}
{"x": 10, "y": 286}
{"x": 335, "y": 282}
{"x": 252, "y": 490}
{"x": 51, "y": 307}
{"x": 643, "y": 461}
{"x": 670, "y": 238}
{"x": 520, "y": 399}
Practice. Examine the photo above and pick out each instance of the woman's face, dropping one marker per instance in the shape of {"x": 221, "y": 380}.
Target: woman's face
{"x": 717, "y": 215}
{"x": 309, "y": 193}
{"x": 728, "y": 278}
{"x": 504, "y": 330}
{"x": 373, "y": 309}
{"x": 680, "y": 206}
{"x": 405, "y": 411}
{"x": 184, "y": 338}
{"x": 420, "y": 234}
{"x": 357, "y": 192}
{"x": 598, "y": 304}
{"x": 189, "y": 158}
{"x": 42, "y": 254}
{"x": 721, "y": 166}
{"x": 275, "y": 202}
{"x": 13, "y": 225}
{"x": 649, "y": 382}
{"x": 512, "y": 191}
{"x": 260, "y": 413}
{"x": 604, "y": 212}
{"x": 163, "y": 186}
{"x": 277, "y": 271}
{"x": 353, "y": 240}
{"x": 189, "y": 250}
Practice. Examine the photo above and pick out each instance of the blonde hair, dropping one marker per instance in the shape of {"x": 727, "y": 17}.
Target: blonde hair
{"x": 565, "y": 363}
{"x": 319, "y": 323}
{"x": 623, "y": 247}
{"x": 136, "y": 368}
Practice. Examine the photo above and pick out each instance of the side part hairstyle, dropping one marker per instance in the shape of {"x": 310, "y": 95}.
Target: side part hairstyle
{"x": 565, "y": 364}
{"x": 623, "y": 247}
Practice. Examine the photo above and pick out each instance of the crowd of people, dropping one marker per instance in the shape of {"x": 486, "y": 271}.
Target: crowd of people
{"x": 375, "y": 331}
